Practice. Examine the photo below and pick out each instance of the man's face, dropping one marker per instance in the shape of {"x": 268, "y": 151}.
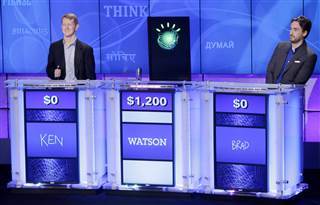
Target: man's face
{"x": 296, "y": 32}
{"x": 69, "y": 27}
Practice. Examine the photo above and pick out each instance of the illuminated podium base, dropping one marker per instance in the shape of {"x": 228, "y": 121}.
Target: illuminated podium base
{"x": 301, "y": 187}
{"x": 14, "y": 185}
{"x": 285, "y": 195}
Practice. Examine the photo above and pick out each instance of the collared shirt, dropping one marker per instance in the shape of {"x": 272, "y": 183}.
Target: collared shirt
{"x": 69, "y": 51}
{"x": 290, "y": 54}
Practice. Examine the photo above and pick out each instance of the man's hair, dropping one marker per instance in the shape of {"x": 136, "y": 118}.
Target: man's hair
{"x": 304, "y": 22}
{"x": 71, "y": 16}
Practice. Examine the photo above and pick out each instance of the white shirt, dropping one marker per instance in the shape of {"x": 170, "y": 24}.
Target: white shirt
{"x": 69, "y": 51}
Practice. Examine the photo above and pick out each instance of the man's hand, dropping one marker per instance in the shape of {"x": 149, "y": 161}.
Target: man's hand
{"x": 57, "y": 72}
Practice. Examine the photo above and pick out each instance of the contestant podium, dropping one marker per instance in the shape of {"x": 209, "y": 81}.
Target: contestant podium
{"x": 55, "y": 137}
{"x": 251, "y": 139}
{"x": 147, "y": 149}
{"x": 195, "y": 137}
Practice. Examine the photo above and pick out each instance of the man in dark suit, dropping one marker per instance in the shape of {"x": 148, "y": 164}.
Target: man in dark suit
{"x": 293, "y": 62}
{"x": 69, "y": 58}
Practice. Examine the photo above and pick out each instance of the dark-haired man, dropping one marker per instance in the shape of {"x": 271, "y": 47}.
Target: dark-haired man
{"x": 69, "y": 58}
{"x": 293, "y": 62}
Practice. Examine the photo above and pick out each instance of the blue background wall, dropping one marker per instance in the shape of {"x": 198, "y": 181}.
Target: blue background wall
{"x": 26, "y": 36}
{"x": 227, "y": 36}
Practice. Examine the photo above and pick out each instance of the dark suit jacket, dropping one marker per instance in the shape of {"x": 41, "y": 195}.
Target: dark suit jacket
{"x": 298, "y": 70}
{"x": 83, "y": 61}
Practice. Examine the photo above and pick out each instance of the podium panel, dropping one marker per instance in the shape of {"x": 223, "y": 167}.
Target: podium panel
{"x": 240, "y": 130}
{"x": 51, "y": 128}
{"x": 147, "y": 137}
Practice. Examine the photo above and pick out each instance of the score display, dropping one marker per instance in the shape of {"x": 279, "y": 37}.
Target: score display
{"x": 240, "y": 144}
{"x": 51, "y": 127}
{"x": 147, "y": 137}
{"x": 150, "y": 101}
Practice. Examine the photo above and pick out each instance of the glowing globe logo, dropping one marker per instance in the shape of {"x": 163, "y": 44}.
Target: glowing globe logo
{"x": 168, "y": 36}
